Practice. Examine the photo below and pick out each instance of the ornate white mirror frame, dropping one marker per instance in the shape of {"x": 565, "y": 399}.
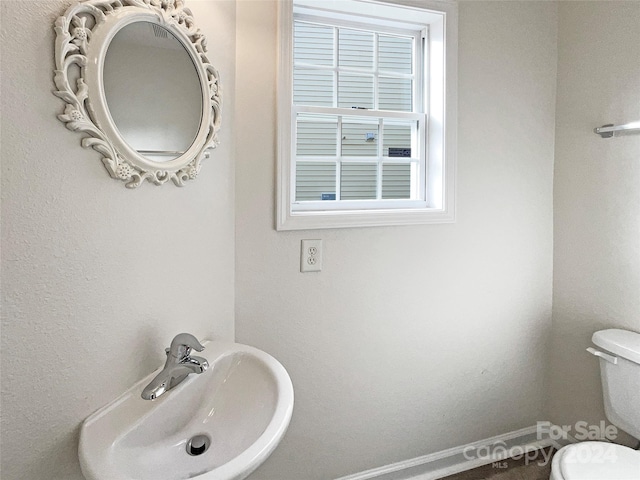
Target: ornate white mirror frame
{"x": 83, "y": 35}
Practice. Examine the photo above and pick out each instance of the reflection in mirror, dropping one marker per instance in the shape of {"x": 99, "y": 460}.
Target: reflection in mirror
{"x": 152, "y": 91}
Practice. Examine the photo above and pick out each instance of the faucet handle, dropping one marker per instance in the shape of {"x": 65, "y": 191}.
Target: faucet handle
{"x": 182, "y": 344}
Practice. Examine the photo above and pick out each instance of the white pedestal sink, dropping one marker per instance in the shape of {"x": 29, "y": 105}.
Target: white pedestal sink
{"x": 242, "y": 404}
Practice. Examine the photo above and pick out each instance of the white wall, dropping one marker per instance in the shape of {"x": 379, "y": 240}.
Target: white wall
{"x": 96, "y": 278}
{"x": 411, "y": 339}
{"x": 596, "y": 198}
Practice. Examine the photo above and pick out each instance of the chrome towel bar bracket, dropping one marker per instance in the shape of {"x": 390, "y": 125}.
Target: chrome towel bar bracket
{"x": 607, "y": 131}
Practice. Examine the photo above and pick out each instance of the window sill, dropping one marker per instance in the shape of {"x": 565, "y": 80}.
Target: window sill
{"x": 358, "y": 218}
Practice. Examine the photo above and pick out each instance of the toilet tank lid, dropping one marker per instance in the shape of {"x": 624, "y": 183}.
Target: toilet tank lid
{"x": 623, "y": 343}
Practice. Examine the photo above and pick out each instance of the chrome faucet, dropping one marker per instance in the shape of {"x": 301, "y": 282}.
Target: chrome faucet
{"x": 179, "y": 364}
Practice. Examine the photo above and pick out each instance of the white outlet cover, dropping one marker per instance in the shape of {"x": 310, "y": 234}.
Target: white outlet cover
{"x": 311, "y": 256}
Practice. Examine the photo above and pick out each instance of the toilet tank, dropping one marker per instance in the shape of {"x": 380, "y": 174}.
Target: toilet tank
{"x": 620, "y": 371}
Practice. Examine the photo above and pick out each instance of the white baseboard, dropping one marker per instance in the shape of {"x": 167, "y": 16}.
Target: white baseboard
{"x": 458, "y": 459}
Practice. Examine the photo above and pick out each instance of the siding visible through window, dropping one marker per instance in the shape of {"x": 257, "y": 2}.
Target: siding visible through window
{"x": 366, "y": 70}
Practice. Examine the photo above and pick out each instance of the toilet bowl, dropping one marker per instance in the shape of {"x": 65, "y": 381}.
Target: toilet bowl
{"x": 595, "y": 461}
{"x": 620, "y": 373}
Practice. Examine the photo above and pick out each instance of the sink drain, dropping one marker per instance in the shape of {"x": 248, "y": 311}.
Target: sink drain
{"x": 198, "y": 445}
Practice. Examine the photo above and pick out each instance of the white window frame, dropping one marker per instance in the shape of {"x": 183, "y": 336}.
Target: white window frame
{"x": 439, "y": 19}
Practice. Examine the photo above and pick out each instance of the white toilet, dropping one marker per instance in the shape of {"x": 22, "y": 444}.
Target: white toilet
{"x": 620, "y": 371}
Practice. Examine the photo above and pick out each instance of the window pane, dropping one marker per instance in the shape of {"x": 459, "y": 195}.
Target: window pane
{"x": 315, "y": 181}
{"x": 397, "y": 139}
{"x": 395, "y": 94}
{"x": 396, "y": 180}
{"x": 313, "y": 44}
{"x": 313, "y": 87}
{"x": 395, "y": 54}
{"x": 355, "y": 49}
{"x": 355, "y": 91}
{"x": 358, "y": 181}
{"x": 359, "y": 138}
{"x": 316, "y": 135}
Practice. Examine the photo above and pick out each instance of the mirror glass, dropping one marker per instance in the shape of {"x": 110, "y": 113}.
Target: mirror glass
{"x": 152, "y": 90}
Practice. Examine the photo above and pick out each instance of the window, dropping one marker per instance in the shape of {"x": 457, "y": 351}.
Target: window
{"x": 365, "y": 114}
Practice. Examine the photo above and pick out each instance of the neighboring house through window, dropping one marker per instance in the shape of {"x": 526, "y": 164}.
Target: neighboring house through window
{"x": 366, "y": 114}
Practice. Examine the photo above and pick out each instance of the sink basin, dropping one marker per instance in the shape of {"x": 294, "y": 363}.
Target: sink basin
{"x": 242, "y": 404}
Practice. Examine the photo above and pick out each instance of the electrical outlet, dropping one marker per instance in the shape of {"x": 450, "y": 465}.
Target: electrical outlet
{"x": 311, "y": 256}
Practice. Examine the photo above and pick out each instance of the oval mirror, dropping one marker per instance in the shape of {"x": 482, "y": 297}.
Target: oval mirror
{"x": 137, "y": 82}
{"x": 152, "y": 91}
